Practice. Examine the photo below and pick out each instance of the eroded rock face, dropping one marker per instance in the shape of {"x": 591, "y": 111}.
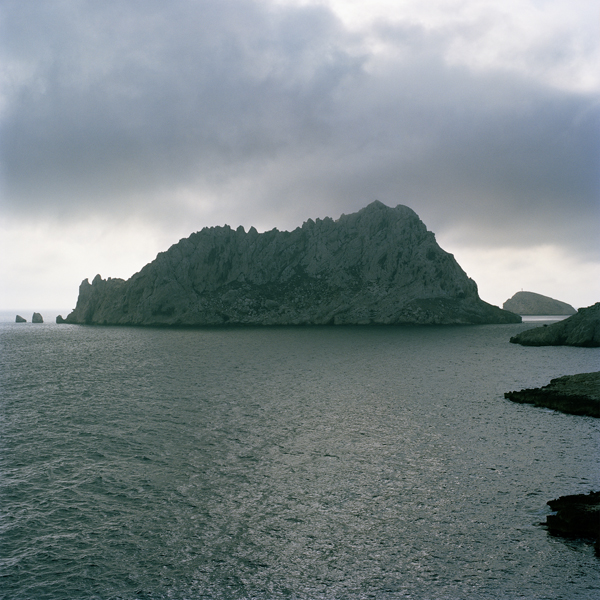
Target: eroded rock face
{"x": 37, "y": 318}
{"x": 379, "y": 265}
{"x": 20, "y": 319}
{"x": 582, "y": 329}
{"x": 529, "y": 303}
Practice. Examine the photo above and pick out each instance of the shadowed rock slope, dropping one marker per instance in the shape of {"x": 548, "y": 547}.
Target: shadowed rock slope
{"x": 529, "y": 303}
{"x": 379, "y": 265}
{"x": 582, "y": 329}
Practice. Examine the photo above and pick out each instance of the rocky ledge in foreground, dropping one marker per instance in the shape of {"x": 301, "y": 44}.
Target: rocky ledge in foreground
{"x": 377, "y": 266}
{"x": 576, "y": 516}
{"x": 573, "y": 394}
{"x": 582, "y": 329}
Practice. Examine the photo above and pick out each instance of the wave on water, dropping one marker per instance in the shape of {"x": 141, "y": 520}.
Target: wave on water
{"x": 300, "y": 463}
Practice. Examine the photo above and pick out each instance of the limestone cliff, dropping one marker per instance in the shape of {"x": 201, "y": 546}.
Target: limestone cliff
{"x": 529, "y": 303}
{"x": 379, "y": 265}
{"x": 582, "y": 329}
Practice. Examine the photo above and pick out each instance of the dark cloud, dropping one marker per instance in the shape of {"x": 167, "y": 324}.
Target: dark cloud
{"x": 118, "y": 98}
{"x": 280, "y": 113}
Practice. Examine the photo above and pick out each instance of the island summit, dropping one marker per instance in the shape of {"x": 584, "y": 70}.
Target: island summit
{"x": 379, "y": 265}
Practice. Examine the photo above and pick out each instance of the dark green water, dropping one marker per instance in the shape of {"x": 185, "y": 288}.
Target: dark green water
{"x": 335, "y": 463}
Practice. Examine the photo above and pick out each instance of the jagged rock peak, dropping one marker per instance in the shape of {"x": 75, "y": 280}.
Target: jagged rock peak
{"x": 529, "y": 303}
{"x": 378, "y": 265}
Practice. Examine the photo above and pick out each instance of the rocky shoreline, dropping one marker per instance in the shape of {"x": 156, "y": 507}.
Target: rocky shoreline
{"x": 576, "y": 516}
{"x": 573, "y": 394}
{"x": 530, "y": 303}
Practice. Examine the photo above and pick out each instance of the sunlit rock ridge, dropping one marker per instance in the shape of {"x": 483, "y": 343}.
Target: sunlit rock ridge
{"x": 377, "y": 266}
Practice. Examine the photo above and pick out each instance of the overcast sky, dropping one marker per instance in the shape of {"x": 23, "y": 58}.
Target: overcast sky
{"x": 126, "y": 125}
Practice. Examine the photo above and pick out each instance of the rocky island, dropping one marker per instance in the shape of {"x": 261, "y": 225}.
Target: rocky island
{"x": 582, "y": 329}
{"x": 529, "y": 303}
{"x": 377, "y": 266}
{"x": 574, "y": 394}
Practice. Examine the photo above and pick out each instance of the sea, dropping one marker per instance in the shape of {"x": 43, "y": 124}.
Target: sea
{"x": 287, "y": 463}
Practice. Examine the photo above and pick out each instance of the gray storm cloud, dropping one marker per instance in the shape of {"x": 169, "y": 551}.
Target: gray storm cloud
{"x": 155, "y": 95}
{"x": 110, "y": 107}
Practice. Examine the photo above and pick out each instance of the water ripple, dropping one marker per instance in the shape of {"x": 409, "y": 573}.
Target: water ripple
{"x": 286, "y": 463}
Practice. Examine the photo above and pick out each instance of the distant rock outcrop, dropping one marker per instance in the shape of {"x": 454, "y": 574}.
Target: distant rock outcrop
{"x": 528, "y": 303}
{"x": 59, "y": 319}
{"x": 20, "y": 319}
{"x": 379, "y": 265}
{"x": 574, "y": 394}
{"x": 582, "y": 329}
{"x": 37, "y": 318}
